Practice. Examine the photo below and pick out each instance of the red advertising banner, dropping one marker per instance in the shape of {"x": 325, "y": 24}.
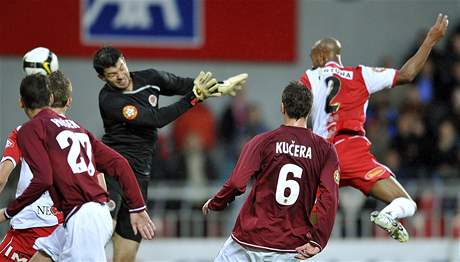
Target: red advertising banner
{"x": 237, "y": 30}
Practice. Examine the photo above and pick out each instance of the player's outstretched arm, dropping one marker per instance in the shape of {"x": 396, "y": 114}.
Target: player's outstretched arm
{"x": 142, "y": 224}
{"x": 412, "y": 67}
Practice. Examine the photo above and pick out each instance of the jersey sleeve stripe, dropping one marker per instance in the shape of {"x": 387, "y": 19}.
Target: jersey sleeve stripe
{"x": 304, "y": 80}
{"x": 134, "y": 210}
{"x": 9, "y": 158}
{"x": 316, "y": 244}
{"x": 6, "y": 215}
{"x": 395, "y": 77}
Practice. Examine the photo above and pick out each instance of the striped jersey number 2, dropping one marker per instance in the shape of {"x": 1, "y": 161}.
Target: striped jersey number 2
{"x": 75, "y": 158}
{"x": 284, "y": 183}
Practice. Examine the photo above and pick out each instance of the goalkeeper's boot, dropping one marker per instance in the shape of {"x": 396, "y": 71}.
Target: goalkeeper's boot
{"x": 391, "y": 225}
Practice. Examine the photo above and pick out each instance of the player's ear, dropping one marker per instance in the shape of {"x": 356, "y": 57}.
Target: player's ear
{"x": 101, "y": 77}
{"x": 282, "y": 108}
{"x": 21, "y": 103}
{"x": 51, "y": 100}
{"x": 69, "y": 102}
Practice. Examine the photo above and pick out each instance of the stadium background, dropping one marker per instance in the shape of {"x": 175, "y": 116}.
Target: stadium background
{"x": 414, "y": 130}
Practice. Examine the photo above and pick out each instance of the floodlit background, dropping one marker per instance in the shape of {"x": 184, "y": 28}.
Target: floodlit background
{"x": 415, "y": 129}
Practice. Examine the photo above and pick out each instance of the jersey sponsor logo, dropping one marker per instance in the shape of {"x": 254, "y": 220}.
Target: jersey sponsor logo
{"x": 153, "y": 100}
{"x": 16, "y": 255}
{"x": 130, "y": 112}
{"x": 161, "y": 23}
{"x": 342, "y": 73}
{"x": 374, "y": 173}
{"x": 337, "y": 176}
{"x": 45, "y": 210}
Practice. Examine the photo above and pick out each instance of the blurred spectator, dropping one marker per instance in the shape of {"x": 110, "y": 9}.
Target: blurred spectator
{"x": 198, "y": 120}
{"x": 194, "y": 141}
{"x": 255, "y": 124}
{"x": 412, "y": 144}
{"x": 445, "y": 153}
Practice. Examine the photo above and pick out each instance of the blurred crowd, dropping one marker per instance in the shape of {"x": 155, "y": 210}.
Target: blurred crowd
{"x": 414, "y": 129}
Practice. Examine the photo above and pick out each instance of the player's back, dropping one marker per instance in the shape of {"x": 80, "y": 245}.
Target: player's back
{"x": 341, "y": 94}
{"x": 69, "y": 149}
{"x": 276, "y": 213}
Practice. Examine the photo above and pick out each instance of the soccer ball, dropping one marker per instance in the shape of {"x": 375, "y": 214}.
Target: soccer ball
{"x": 40, "y": 60}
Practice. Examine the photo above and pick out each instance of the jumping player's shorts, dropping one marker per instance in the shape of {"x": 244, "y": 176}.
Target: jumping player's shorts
{"x": 358, "y": 167}
{"x": 83, "y": 237}
{"x": 118, "y": 208}
{"x": 18, "y": 243}
{"x": 234, "y": 252}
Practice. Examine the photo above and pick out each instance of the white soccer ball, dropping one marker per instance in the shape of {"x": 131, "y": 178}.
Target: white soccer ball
{"x": 40, "y": 60}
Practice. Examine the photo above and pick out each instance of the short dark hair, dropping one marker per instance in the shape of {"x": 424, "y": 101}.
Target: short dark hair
{"x": 297, "y": 100}
{"x": 35, "y": 91}
{"x": 61, "y": 88}
{"x": 105, "y": 57}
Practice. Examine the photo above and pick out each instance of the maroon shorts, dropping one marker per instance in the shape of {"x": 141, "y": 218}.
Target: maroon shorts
{"x": 358, "y": 167}
{"x": 18, "y": 243}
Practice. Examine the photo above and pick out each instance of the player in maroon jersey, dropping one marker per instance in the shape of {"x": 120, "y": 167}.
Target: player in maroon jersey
{"x": 63, "y": 158}
{"x": 289, "y": 165}
{"x": 340, "y": 96}
{"x": 40, "y": 218}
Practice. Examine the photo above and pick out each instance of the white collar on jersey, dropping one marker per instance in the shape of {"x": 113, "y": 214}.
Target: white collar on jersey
{"x": 333, "y": 63}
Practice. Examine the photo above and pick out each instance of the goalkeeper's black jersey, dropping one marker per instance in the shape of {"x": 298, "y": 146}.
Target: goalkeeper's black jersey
{"x": 131, "y": 118}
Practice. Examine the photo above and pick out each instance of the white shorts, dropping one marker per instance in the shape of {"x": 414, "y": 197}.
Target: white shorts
{"x": 83, "y": 238}
{"x": 232, "y": 251}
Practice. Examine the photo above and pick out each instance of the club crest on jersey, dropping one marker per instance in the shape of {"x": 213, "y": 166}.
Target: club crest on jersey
{"x": 153, "y": 100}
{"x": 337, "y": 176}
{"x": 130, "y": 112}
{"x": 376, "y": 172}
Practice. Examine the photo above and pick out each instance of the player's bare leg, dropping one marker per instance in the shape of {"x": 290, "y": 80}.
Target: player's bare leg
{"x": 40, "y": 256}
{"x": 124, "y": 250}
{"x": 400, "y": 205}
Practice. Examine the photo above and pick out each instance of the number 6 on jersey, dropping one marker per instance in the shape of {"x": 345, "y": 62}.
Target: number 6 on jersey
{"x": 284, "y": 183}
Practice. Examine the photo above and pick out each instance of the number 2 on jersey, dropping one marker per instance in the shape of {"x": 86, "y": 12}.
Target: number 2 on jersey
{"x": 75, "y": 158}
{"x": 333, "y": 87}
{"x": 284, "y": 183}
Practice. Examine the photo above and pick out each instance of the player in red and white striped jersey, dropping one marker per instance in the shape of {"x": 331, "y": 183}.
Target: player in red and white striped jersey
{"x": 341, "y": 96}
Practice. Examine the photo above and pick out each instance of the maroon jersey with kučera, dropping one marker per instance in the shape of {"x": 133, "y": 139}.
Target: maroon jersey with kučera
{"x": 289, "y": 165}
{"x": 63, "y": 158}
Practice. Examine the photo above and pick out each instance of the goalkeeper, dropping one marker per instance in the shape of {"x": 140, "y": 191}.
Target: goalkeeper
{"x": 128, "y": 104}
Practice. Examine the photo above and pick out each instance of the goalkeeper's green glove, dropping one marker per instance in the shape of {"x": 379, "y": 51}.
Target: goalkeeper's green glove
{"x": 205, "y": 86}
{"x": 232, "y": 85}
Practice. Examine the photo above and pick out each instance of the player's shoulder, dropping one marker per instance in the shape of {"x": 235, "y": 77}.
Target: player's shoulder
{"x": 33, "y": 125}
{"x": 320, "y": 141}
{"x": 145, "y": 75}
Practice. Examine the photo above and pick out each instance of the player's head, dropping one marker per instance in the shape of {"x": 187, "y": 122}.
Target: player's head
{"x": 35, "y": 92}
{"x": 61, "y": 88}
{"x": 110, "y": 66}
{"x": 296, "y": 101}
{"x": 325, "y": 50}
